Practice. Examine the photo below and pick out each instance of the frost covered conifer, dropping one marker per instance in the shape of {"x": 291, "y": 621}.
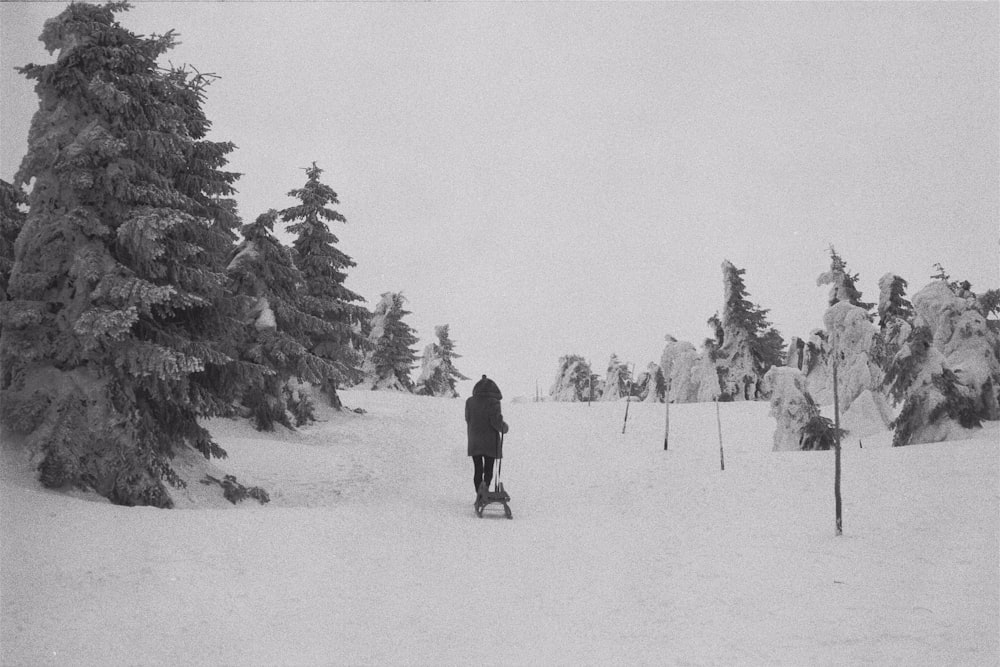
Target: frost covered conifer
{"x": 651, "y": 384}
{"x": 277, "y": 331}
{"x": 816, "y": 366}
{"x": 852, "y": 338}
{"x": 842, "y": 284}
{"x": 679, "y": 363}
{"x": 988, "y": 304}
{"x": 119, "y": 328}
{"x": 12, "y": 199}
{"x": 895, "y": 317}
{"x": 574, "y": 380}
{"x": 800, "y": 426}
{"x": 438, "y": 374}
{"x": 892, "y": 302}
{"x": 947, "y": 373}
{"x": 391, "y": 359}
{"x": 336, "y": 337}
{"x": 617, "y": 380}
{"x": 749, "y": 344}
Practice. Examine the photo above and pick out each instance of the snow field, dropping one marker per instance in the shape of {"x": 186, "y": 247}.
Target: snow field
{"x": 619, "y": 552}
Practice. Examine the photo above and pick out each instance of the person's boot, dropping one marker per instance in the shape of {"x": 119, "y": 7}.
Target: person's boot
{"x": 484, "y": 489}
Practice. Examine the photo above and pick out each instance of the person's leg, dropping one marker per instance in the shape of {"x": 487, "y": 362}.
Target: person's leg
{"x": 488, "y": 470}
{"x": 477, "y": 475}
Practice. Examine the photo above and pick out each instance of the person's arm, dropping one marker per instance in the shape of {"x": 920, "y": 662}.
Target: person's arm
{"x": 497, "y": 422}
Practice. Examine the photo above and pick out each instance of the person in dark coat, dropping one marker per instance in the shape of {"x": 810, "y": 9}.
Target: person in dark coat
{"x": 485, "y": 424}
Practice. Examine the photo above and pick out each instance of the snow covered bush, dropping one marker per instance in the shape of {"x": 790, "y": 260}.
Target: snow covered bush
{"x": 617, "y": 381}
{"x": 651, "y": 385}
{"x": 300, "y": 404}
{"x": 851, "y": 337}
{"x": 796, "y": 355}
{"x": 970, "y": 347}
{"x": 934, "y": 406}
{"x": 391, "y": 359}
{"x": 816, "y": 366}
{"x": 800, "y": 426}
{"x": 574, "y": 380}
{"x": 678, "y": 362}
{"x": 438, "y": 374}
{"x": 947, "y": 373}
{"x": 235, "y": 492}
{"x": 120, "y": 327}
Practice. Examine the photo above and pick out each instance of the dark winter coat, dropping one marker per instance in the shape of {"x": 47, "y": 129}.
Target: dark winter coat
{"x": 484, "y": 420}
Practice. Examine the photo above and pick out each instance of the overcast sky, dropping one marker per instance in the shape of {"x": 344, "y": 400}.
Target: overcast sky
{"x": 557, "y": 178}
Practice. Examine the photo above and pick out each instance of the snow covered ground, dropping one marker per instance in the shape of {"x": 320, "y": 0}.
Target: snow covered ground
{"x": 619, "y": 552}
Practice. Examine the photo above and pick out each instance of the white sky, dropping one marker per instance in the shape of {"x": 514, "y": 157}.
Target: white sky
{"x": 556, "y": 178}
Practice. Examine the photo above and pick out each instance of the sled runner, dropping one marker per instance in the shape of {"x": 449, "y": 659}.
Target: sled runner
{"x": 498, "y": 495}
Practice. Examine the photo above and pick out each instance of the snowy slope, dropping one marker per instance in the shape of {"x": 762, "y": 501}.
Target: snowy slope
{"x": 619, "y": 552}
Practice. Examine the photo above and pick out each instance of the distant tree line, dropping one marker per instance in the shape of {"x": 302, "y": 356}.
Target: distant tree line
{"x": 930, "y": 368}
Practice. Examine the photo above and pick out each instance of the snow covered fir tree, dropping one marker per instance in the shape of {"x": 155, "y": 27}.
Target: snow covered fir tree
{"x": 390, "y": 359}
{"x": 947, "y": 373}
{"x": 12, "y": 216}
{"x": 650, "y": 384}
{"x": 747, "y": 345}
{"x": 119, "y": 333}
{"x": 438, "y": 374}
{"x": 800, "y": 425}
{"x": 928, "y": 369}
{"x": 277, "y": 332}
{"x": 895, "y": 313}
{"x": 575, "y": 381}
{"x": 843, "y": 285}
{"x": 335, "y": 335}
{"x": 617, "y": 380}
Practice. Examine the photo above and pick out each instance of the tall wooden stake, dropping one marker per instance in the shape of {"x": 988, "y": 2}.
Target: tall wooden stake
{"x": 836, "y": 445}
{"x": 666, "y": 427}
{"x": 628, "y": 400}
{"x": 718, "y": 421}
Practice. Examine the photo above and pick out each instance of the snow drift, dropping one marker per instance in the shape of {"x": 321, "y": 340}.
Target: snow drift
{"x": 619, "y": 553}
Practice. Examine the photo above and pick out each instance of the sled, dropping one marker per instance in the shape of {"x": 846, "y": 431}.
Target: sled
{"x": 498, "y": 496}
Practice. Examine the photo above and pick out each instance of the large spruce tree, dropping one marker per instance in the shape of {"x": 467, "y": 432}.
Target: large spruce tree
{"x": 276, "y": 332}
{"x": 324, "y": 269}
{"x": 118, "y": 334}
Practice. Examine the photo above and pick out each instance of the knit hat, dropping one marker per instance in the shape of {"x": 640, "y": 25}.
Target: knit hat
{"x": 487, "y": 387}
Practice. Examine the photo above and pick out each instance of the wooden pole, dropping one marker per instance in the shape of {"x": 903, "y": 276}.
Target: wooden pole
{"x": 666, "y": 427}
{"x": 628, "y": 398}
{"x": 718, "y": 421}
{"x": 836, "y": 444}
{"x": 628, "y": 402}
